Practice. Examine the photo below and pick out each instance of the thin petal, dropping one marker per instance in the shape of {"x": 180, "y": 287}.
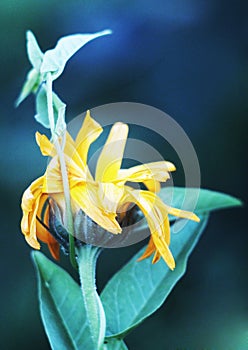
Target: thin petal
{"x": 110, "y": 159}
{"x": 164, "y": 250}
{"x": 182, "y": 214}
{"x": 156, "y": 257}
{"x": 149, "y": 250}
{"x": 88, "y": 133}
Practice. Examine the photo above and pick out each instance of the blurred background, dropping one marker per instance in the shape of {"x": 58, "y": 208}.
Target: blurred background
{"x": 188, "y": 58}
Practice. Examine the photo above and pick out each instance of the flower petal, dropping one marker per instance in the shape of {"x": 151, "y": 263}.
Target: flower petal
{"x": 110, "y": 159}
{"x": 30, "y": 203}
{"x": 88, "y": 133}
{"x": 152, "y": 185}
{"x": 151, "y": 171}
{"x": 85, "y": 195}
{"x": 182, "y": 213}
{"x": 109, "y": 196}
{"x": 150, "y": 249}
{"x": 42, "y": 233}
{"x": 163, "y": 250}
{"x": 46, "y": 146}
{"x": 154, "y": 210}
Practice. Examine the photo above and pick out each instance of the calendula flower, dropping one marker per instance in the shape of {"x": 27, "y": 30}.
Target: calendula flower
{"x": 105, "y": 197}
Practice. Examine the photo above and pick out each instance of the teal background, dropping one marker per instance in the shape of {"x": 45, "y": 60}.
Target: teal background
{"x": 188, "y": 58}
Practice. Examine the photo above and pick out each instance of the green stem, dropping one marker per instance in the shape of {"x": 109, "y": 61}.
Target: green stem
{"x": 87, "y": 257}
{"x": 68, "y": 217}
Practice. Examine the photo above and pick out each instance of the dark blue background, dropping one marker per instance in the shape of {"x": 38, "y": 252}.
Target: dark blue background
{"x": 188, "y": 58}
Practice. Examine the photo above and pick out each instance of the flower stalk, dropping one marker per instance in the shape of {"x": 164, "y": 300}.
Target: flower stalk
{"x": 68, "y": 217}
{"x": 87, "y": 258}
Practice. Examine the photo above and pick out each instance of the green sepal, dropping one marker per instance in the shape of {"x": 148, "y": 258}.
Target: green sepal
{"x": 58, "y": 110}
{"x": 62, "y": 307}
{"x": 54, "y": 60}
{"x": 140, "y": 288}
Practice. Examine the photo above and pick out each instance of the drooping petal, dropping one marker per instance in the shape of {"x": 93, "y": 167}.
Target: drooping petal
{"x": 29, "y": 205}
{"x": 88, "y": 133}
{"x": 150, "y": 249}
{"x": 158, "y": 222}
{"x": 42, "y": 229}
{"x": 85, "y": 195}
{"x": 153, "y": 209}
{"x": 156, "y": 257}
{"x": 163, "y": 250}
{"x": 110, "y": 159}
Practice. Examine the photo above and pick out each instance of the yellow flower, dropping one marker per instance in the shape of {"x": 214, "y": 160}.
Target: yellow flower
{"x": 101, "y": 197}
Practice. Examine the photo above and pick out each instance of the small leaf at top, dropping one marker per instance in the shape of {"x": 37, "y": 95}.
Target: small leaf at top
{"x": 55, "y": 60}
{"x": 35, "y": 54}
{"x": 32, "y": 83}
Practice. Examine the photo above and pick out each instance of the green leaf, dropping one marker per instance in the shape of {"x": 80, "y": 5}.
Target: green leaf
{"x": 140, "y": 288}
{"x": 58, "y": 110}
{"x": 32, "y": 82}
{"x": 114, "y": 344}
{"x": 193, "y": 199}
{"x": 62, "y": 307}
{"x": 55, "y": 60}
{"x": 35, "y": 54}
{"x": 197, "y": 200}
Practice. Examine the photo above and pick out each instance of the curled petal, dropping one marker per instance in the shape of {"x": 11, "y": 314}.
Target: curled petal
{"x": 158, "y": 171}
